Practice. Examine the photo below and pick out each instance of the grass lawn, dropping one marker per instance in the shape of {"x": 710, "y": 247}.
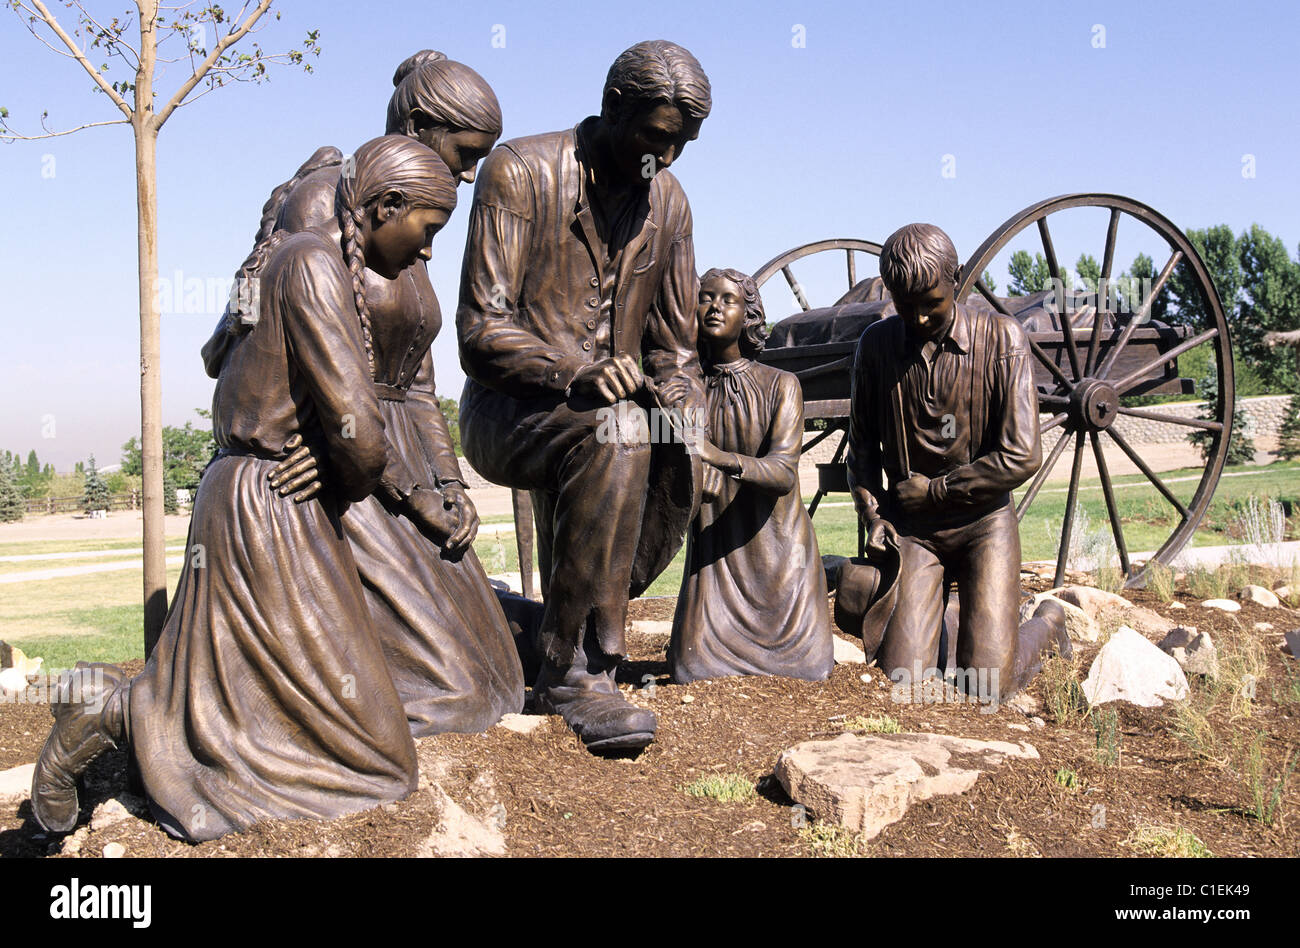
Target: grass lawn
{"x": 98, "y": 616}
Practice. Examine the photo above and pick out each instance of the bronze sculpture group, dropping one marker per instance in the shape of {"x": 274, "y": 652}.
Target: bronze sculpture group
{"x": 340, "y": 611}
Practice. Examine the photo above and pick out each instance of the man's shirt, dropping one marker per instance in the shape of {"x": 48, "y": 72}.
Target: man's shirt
{"x": 550, "y": 284}
{"x": 962, "y": 411}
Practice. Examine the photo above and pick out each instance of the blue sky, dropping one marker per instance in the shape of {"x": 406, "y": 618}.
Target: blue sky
{"x": 845, "y": 135}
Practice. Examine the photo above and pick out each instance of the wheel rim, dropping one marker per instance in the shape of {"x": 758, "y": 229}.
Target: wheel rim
{"x": 782, "y": 263}
{"x": 1088, "y": 386}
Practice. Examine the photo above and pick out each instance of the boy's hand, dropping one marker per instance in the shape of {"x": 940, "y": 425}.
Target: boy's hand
{"x": 914, "y": 493}
{"x": 879, "y": 532}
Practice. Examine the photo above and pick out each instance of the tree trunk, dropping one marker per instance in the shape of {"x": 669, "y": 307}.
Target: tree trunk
{"x": 151, "y": 450}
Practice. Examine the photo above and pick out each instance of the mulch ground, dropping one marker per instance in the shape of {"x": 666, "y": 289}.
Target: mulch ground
{"x": 552, "y": 798}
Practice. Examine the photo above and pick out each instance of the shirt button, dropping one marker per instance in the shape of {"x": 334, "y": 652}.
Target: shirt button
{"x": 591, "y": 324}
{"x": 587, "y": 345}
{"x": 594, "y": 282}
{"x": 593, "y": 301}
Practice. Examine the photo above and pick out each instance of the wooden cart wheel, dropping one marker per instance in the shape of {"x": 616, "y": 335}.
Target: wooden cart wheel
{"x": 781, "y": 264}
{"x": 1093, "y": 371}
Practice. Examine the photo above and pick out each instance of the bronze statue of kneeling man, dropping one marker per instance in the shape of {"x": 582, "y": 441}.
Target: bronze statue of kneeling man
{"x": 944, "y": 407}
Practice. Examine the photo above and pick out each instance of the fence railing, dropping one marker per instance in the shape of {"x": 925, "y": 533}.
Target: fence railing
{"x": 50, "y": 505}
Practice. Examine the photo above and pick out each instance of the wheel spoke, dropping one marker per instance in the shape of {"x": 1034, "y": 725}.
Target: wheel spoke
{"x": 795, "y": 288}
{"x": 1071, "y": 501}
{"x": 1172, "y": 419}
{"x": 1111, "y": 507}
{"x": 1043, "y": 472}
{"x": 1128, "y": 381}
{"x": 1053, "y": 422}
{"x": 1140, "y": 316}
{"x": 1051, "y": 366}
{"x": 993, "y": 300}
{"x": 1142, "y": 466}
{"x": 1054, "y": 268}
{"x": 1103, "y": 291}
{"x": 853, "y": 268}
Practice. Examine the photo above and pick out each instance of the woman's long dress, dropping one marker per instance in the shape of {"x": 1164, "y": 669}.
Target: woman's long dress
{"x": 268, "y": 695}
{"x": 452, "y": 657}
{"x": 753, "y": 596}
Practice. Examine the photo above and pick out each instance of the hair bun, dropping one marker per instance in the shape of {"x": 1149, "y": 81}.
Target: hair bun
{"x": 412, "y": 63}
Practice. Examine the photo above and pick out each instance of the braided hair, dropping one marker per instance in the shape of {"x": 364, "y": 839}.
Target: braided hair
{"x": 390, "y": 163}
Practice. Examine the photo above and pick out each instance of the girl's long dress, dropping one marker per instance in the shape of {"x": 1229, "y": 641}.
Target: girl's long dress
{"x": 753, "y": 596}
{"x": 268, "y": 695}
{"x": 449, "y": 648}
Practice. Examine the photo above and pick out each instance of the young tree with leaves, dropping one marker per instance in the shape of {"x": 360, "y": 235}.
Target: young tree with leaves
{"x": 11, "y": 498}
{"x": 154, "y": 35}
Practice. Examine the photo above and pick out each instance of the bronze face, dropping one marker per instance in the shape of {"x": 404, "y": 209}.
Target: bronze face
{"x": 659, "y": 132}
{"x": 928, "y": 314}
{"x": 399, "y": 235}
{"x": 721, "y": 315}
{"x": 461, "y": 149}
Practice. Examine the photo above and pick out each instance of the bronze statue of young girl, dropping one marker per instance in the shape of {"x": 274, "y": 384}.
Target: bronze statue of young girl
{"x": 268, "y": 695}
{"x": 753, "y": 598}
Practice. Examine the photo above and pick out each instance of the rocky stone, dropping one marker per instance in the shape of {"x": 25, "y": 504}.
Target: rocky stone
{"x": 114, "y": 851}
{"x": 1282, "y": 592}
{"x": 522, "y": 723}
{"x": 1130, "y": 668}
{"x": 1037, "y": 723}
{"x": 1263, "y": 627}
{"x": 1193, "y": 651}
{"x": 111, "y": 812}
{"x": 865, "y": 782}
{"x": 1260, "y": 596}
{"x": 1079, "y": 626}
{"x": 1226, "y": 605}
{"x": 459, "y": 833}
{"x": 1292, "y": 640}
{"x": 1177, "y": 605}
{"x": 846, "y": 653}
{"x": 687, "y": 699}
{"x": 1147, "y": 621}
{"x": 72, "y": 845}
{"x": 1026, "y": 704}
{"x": 1090, "y": 599}
{"x": 653, "y": 628}
{"x": 1018, "y": 727}
{"x": 16, "y": 784}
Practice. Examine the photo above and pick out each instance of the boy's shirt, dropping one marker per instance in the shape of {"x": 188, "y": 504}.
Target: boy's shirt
{"x": 962, "y": 411}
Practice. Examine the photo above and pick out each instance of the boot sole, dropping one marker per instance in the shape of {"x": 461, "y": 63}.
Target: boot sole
{"x": 634, "y": 741}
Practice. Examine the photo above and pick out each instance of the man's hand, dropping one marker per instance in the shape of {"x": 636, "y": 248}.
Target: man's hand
{"x": 457, "y": 501}
{"x": 914, "y": 493}
{"x": 609, "y": 380}
{"x": 879, "y": 532}
{"x": 711, "y": 486}
{"x": 298, "y": 472}
{"x": 430, "y": 512}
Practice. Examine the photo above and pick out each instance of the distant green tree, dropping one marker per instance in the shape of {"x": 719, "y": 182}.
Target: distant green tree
{"x": 451, "y": 411}
{"x": 1217, "y": 247}
{"x": 171, "y": 503}
{"x": 11, "y": 498}
{"x": 1241, "y": 447}
{"x": 1288, "y": 436}
{"x": 1270, "y": 302}
{"x": 1032, "y": 275}
{"x": 987, "y": 279}
{"x": 96, "y": 495}
{"x": 1134, "y": 285}
{"x": 1089, "y": 271}
{"x": 33, "y": 465}
{"x": 186, "y": 452}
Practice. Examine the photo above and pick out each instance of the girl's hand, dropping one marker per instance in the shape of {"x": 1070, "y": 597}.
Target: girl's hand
{"x": 298, "y": 472}
{"x": 457, "y": 501}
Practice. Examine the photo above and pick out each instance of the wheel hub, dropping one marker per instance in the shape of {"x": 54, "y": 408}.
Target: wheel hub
{"x": 1094, "y": 405}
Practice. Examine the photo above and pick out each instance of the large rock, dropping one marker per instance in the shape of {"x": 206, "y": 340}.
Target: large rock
{"x": 1193, "y": 651}
{"x": 16, "y": 784}
{"x": 846, "y": 653}
{"x": 1080, "y": 626}
{"x": 1130, "y": 668}
{"x": 1259, "y": 595}
{"x": 865, "y": 782}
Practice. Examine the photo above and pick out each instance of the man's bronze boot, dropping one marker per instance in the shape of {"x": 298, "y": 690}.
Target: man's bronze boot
{"x": 89, "y": 707}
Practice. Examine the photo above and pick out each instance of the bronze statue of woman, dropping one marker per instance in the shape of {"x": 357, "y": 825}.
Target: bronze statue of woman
{"x": 447, "y": 641}
{"x": 268, "y": 695}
